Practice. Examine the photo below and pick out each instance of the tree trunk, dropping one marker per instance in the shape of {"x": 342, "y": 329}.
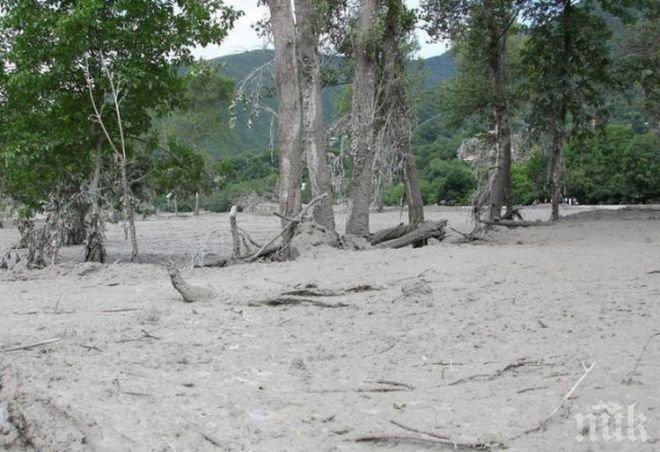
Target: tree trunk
{"x": 94, "y": 243}
{"x": 196, "y": 210}
{"x": 129, "y": 216}
{"x": 361, "y": 154}
{"x": 313, "y": 131}
{"x": 289, "y": 118}
{"x": 557, "y": 170}
{"x": 501, "y": 188}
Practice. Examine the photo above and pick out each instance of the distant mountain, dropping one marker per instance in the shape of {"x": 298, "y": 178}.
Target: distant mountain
{"x": 254, "y": 133}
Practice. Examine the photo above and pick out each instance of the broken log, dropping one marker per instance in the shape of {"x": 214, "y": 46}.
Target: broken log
{"x": 388, "y": 234}
{"x": 514, "y": 224}
{"x": 426, "y": 230}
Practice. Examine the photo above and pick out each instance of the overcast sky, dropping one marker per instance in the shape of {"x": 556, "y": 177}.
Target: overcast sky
{"x": 243, "y": 37}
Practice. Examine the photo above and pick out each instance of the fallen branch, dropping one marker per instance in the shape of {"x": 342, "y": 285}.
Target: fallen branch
{"x": 631, "y": 375}
{"x": 426, "y": 230}
{"x": 388, "y": 234}
{"x": 292, "y": 301}
{"x": 31, "y": 346}
{"x": 434, "y": 440}
{"x": 547, "y": 419}
{"x": 514, "y": 224}
{"x": 291, "y": 226}
{"x": 498, "y": 373}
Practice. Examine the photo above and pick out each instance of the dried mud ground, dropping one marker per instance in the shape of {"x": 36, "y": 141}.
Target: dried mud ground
{"x": 479, "y": 343}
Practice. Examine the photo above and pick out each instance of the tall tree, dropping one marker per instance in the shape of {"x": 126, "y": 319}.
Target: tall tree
{"x": 484, "y": 27}
{"x": 394, "y": 100}
{"x": 311, "y": 17}
{"x": 363, "y": 113}
{"x": 51, "y": 49}
{"x": 567, "y": 65}
{"x": 289, "y": 110}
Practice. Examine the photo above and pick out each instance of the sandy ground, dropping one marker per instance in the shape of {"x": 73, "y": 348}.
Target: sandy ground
{"x": 478, "y": 343}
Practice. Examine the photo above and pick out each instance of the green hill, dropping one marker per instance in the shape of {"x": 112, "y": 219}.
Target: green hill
{"x": 251, "y": 71}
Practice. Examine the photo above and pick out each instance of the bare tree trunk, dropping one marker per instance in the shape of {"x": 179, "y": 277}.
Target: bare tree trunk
{"x": 94, "y": 246}
{"x": 196, "y": 210}
{"x": 500, "y": 192}
{"x": 129, "y": 215}
{"x": 313, "y": 131}
{"x": 362, "y": 123}
{"x": 289, "y": 121}
{"x": 557, "y": 170}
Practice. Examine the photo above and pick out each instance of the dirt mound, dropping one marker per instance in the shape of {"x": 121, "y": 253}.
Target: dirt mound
{"x": 310, "y": 238}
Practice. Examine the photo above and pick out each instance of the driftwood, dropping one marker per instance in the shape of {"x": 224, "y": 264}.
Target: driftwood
{"x": 189, "y": 293}
{"x": 31, "y": 346}
{"x": 514, "y": 224}
{"x": 270, "y": 248}
{"x": 388, "y": 234}
{"x": 292, "y": 301}
{"x": 426, "y": 230}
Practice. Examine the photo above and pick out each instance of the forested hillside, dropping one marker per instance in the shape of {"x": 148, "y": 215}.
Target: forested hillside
{"x": 252, "y": 132}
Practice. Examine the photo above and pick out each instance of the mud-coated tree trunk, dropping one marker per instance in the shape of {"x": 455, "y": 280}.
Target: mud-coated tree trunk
{"x": 501, "y": 188}
{"x": 196, "y": 209}
{"x": 557, "y": 170}
{"x": 313, "y": 132}
{"x": 129, "y": 215}
{"x": 289, "y": 118}
{"x": 94, "y": 242}
{"x": 362, "y": 150}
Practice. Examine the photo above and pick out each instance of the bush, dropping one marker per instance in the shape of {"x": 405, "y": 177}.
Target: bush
{"x": 448, "y": 181}
{"x": 392, "y": 195}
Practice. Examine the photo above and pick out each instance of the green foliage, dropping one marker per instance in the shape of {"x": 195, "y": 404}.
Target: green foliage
{"x": 529, "y": 179}
{"x": 393, "y": 195}
{"x": 448, "y": 182}
{"x": 48, "y": 49}
{"x": 179, "y": 168}
{"x": 616, "y": 166}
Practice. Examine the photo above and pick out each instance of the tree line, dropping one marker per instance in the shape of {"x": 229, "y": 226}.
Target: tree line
{"x": 102, "y": 107}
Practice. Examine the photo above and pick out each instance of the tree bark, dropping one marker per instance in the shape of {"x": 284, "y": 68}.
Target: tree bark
{"x": 94, "y": 243}
{"x": 196, "y": 210}
{"x": 361, "y": 154}
{"x": 289, "y": 121}
{"x": 557, "y": 170}
{"x": 129, "y": 216}
{"x": 500, "y": 192}
{"x": 313, "y": 131}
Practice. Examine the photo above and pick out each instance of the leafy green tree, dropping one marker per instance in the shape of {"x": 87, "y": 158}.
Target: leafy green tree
{"x": 483, "y": 27}
{"x": 567, "y": 63}
{"x": 54, "y": 51}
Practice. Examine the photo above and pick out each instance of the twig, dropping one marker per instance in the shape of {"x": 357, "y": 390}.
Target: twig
{"x": 28, "y": 347}
{"x": 149, "y": 335}
{"x": 545, "y": 421}
{"x": 497, "y": 374}
{"x": 631, "y": 375}
{"x": 422, "y": 432}
{"x": 119, "y": 310}
{"x": 90, "y": 347}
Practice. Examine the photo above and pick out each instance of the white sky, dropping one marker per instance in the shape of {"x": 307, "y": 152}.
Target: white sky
{"x": 243, "y": 38}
